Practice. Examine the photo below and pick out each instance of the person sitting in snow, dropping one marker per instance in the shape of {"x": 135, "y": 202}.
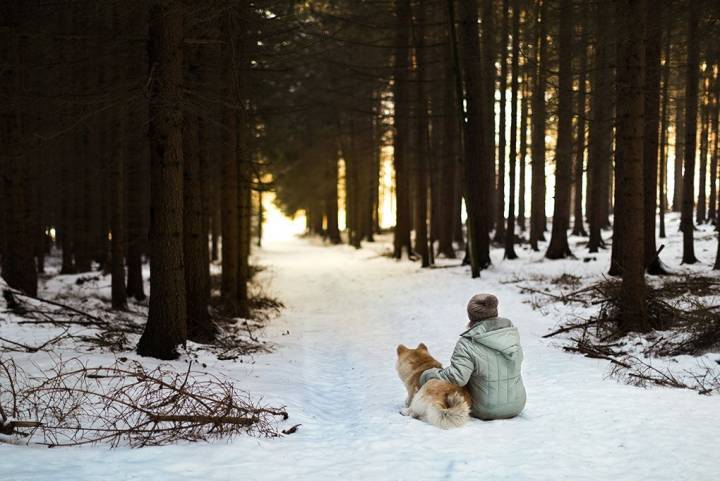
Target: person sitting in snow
{"x": 487, "y": 359}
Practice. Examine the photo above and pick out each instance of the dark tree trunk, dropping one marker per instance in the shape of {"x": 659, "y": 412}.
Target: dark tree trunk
{"x": 477, "y": 160}
{"x": 230, "y": 215}
{"x": 489, "y": 48}
{"x": 653, "y": 50}
{"x": 559, "y": 247}
{"x": 663, "y": 136}
{"x": 118, "y": 186}
{"x": 402, "y": 125}
{"x": 166, "y": 326}
{"x": 514, "y": 87}
{"x": 137, "y": 156}
{"x": 630, "y": 124}
{"x": 331, "y": 194}
{"x": 502, "y": 141}
{"x": 601, "y": 125}
{"x": 245, "y": 158}
{"x": 421, "y": 157}
{"x": 18, "y": 265}
{"x": 715, "y": 126}
{"x": 448, "y": 177}
{"x": 195, "y": 246}
{"x": 524, "y": 110}
{"x": 579, "y": 168}
{"x": 679, "y": 151}
{"x": 691, "y": 98}
{"x": 117, "y": 213}
{"x": 701, "y": 209}
{"x": 537, "y": 202}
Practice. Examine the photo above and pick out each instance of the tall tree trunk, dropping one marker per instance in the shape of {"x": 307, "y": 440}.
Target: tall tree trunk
{"x": 331, "y": 193}
{"x": 679, "y": 151}
{"x": 537, "y": 202}
{"x": 230, "y": 216}
{"x": 524, "y": 111}
{"x": 489, "y": 46}
{"x": 18, "y": 265}
{"x": 601, "y": 125}
{"x": 117, "y": 213}
{"x": 629, "y": 164}
{"x": 502, "y": 142}
{"x": 559, "y": 247}
{"x": 401, "y": 121}
{"x": 166, "y": 325}
{"x": 421, "y": 158}
{"x": 701, "y": 209}
{"x": 448, "y": 177}
{"x": 663, "y": 135}
{"x": 137, "y": 156}
{"x": 118, "y": 183}
{"x": 514, "y": 86}
{"x": 653, "y": 50}
{"x": 477, "y": 160}
{"x": 245, "y": 158}
{"x": 715, "y": 126}
{"x": 579, "y": 168}
{"x": 691, "y": 98}
{"x": 195, "y": 246}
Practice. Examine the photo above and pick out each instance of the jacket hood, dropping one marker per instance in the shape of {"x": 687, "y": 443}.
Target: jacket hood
{"x": 496, "y": 333}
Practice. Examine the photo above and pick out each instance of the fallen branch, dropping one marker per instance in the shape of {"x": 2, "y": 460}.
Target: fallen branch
{"x": 159, "y": 418}
{"x": 98, "y": 321}
{"x": 571, "y": 327}
{"x": 127, "y": 405}
{"x": 36, "y": 348}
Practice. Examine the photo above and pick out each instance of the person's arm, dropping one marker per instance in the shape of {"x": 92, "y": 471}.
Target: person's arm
{"x": 458, "y": 372}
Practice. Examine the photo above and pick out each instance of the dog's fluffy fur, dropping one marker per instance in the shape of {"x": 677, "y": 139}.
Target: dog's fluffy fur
{"x": 437, "y": 402}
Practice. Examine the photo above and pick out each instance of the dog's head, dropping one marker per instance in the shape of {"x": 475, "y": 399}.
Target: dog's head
{"x": 409, "y": 359}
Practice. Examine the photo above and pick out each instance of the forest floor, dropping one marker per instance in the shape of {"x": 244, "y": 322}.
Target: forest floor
{"x": 332, "y": 364}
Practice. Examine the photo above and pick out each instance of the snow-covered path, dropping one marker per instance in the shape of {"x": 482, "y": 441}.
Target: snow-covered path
{"x": 346, "y": 312}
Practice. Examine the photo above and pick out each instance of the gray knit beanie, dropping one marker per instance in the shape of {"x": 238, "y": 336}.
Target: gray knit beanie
{"x": 482, "y": 306}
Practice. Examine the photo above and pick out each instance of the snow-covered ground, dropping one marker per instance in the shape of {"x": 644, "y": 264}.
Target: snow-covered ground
{"x": 333, "y": 367}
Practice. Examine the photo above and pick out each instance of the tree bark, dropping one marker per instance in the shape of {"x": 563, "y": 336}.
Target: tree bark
{"x": 691, "y": 98}
{"x": 477, "y": 160}
{"x": 502, "y": 141}
{"x": 653, "y": 49}
{"x": 701, "y": 209}
{"x": 421, "y": 158}
{"x": 514, "y": 87}
{"x": 537, "y": 202}
{"x": 663, "y": 135}
{"x": 448, "y": 175}
{"x": 601, "y": 125}
{"x": 715, "y": 127}
{"x": 18, "y": 265}
{"x": 630, "y": 125}
{"x": 166, "y": 326}
{"x": 579, "y": 168}
{"x": 401, "y": 120}
{"x": 679, "y": 151}
{"x": 559, "y": 247}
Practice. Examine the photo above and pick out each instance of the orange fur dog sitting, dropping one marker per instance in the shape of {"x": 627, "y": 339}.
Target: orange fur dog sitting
{"x": 439, "y": 403}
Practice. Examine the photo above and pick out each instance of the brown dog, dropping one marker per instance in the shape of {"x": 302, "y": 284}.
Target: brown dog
{"x": 437, "y": 402}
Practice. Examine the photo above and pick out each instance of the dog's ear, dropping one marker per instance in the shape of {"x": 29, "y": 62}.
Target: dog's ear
{"x": 422, "y": 346}
{"x": 401, "y": 349}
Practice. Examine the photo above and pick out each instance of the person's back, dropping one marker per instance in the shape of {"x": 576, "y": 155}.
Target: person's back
{"x": 488, "y": 359}
{"x": 496, "y": 384}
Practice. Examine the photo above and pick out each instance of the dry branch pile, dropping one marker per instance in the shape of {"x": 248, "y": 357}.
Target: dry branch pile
{"x": 682, "y": 326}
{"x": 89, "y": 328}
{"x": 73, "y": 404}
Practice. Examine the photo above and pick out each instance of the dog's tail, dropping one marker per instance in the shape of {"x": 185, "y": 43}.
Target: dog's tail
{"x": 453, "y": 414}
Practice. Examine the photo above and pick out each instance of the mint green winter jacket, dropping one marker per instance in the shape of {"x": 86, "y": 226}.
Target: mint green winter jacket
{"x": 487, "y": 359}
